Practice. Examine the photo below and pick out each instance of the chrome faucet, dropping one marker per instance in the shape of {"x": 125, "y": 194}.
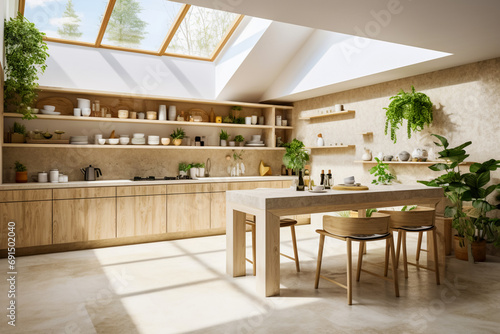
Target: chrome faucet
{"x": 208, "y": 164}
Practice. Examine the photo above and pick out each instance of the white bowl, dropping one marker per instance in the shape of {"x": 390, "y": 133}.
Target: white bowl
{"x": 318, "y": 188}
{"x": 138, "y": 135}
{"x": 349, "y": 180}
{"x": 101, "y": 141}
{"x": 49, "y": 108}
{"x": 85, "y": 112}
{"x": 157, "y": 138}
{"x": 124, "y": 140}
{"x": 165, "y": 141}
{"x": 124, "y": 136}
{"x": 113, "y": 141}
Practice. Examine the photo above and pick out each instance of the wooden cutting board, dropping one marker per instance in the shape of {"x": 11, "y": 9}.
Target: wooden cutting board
{"x": 62, "y": 104}
{"x": 344, "y": 187}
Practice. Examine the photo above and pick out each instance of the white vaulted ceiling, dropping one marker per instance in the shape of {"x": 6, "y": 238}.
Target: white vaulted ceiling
{"x": 317, "y": 47}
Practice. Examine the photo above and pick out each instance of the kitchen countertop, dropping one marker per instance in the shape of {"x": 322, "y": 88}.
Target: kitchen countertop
{"x": 118, "y": 183}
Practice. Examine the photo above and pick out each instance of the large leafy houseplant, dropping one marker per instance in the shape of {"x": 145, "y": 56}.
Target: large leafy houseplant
{"x": 414, "y": 107}
{"x": 295, "y": 156}
{"x": 381, "y": 173}
{"x": 25, "y": 54}
{"x": 472, "y": 223}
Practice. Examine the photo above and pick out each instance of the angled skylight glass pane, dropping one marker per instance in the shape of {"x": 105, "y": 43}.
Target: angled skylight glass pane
{"x": 201, "y": 31}
{"x": 140, "y": 24}
{"x": 77, "y": 20}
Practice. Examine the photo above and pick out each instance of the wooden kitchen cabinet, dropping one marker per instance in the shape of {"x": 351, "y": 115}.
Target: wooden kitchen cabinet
{"x": 145, "y": 213}
{"x": 33, "y": 223}
{"x": 188, "y": 212}
{"x": 84, "y": 219}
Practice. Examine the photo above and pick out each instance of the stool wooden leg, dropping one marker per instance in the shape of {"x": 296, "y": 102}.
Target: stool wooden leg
{"x": 398, "y": 251}
{"x": 320, "y": 257}
{"x": 419, "y": 246}
{"x": 295, "y": 252}
{"x": 254, "y": 255}
{"x": 434, "y": 245}
{"x": 394, "y": 270}
{"x": 349, "y": 272}
{"x": 360, "y": 260}
{"x": 405, "y": 259}
{"x": 386, "y": 264}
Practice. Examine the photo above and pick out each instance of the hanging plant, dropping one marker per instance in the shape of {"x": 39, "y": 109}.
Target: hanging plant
{"x": 414, "y": 107}
{"x": 25, "y": 54}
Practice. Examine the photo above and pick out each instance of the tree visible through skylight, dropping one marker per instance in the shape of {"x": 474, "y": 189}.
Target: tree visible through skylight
{"x": 133, "y": 24}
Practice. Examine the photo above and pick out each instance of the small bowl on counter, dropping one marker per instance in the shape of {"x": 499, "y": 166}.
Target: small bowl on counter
{"x": 124, "y": 140}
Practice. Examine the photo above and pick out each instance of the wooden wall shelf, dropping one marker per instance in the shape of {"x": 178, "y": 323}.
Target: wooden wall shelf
{"x": 422, "y": 163}
{"x": 329, "y": 147}
{"x": 157, "y": 147}
{"x": 327, "y": 115}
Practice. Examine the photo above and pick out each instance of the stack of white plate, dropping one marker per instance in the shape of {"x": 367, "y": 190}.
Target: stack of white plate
{"x": 138, "y": 139}
{"x": 153, "y": 140}
{"x": 49, "y": 110}
{"x": 255, "y": 143}
{"x": 79, "y": 140}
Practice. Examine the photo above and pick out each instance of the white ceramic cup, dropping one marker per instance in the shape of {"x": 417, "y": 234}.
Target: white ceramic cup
{"x": 86, "y": 112}
{"x": 278, "y": 120}
{"x": 101, "y": 141}
{"x": 349, "y": 180}
{"x": 338, "y": 107}
{"x": 42, "y": 177}
{"x": 83, "y": 103}
{"x": 124, "y": 140}
{"x": 256, "y": 138}
{"x": 165, "y": 141}
{"x": 77, "y": 112}
{"x": 140, "y": 115}
{"x": 54, "y": 176}
{"x": 248, "y": 120}
{"x": 318, "y": 188}
{"x": 97, "y": 137}
{"x": 254, "y": 119}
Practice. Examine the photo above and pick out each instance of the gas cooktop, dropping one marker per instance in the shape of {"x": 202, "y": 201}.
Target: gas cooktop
{"x": 154, "y": 178}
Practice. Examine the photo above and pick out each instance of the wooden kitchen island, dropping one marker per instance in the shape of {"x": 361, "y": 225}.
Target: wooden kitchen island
{"x": 268, "y": 205}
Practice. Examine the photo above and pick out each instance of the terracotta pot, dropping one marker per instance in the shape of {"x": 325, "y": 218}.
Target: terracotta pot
{"x": 177, "y": 142}
{"x": 21, "y": 177}
{"x": 478, "y": 250}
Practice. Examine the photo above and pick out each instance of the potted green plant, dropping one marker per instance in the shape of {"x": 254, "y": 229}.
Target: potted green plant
{"x": 414, "y": 107}
{"x": 223, "y": 137}
{"x": 18, "y": 133}
{"x": 468, "y": 194}
{"x": 25, "y": 55}
{"x": 381, "y": 173}
{"x": 21, "y": 172}
{"x": 296, "y": 158}
{"x": 235, "y": 111}
{"x": 177, "y": 136}
{"x": 239, "y": 140}
{"x": 184, "y": 168}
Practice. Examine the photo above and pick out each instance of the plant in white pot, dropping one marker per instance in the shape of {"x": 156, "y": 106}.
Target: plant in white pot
{"x": 239, "y": 140}
{"x": 468, "y": 193}
{"x": 223, "y": 137}
{"x": 184, "y": 169}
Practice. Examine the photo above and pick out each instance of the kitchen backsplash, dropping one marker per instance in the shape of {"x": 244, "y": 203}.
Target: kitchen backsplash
{"x": 117, "y": 163}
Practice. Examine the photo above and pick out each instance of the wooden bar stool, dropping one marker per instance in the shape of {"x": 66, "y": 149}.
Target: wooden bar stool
{"x": 362, "y": 229}
{"x": 420, "y": 219}
{"x": 285, "y": 222}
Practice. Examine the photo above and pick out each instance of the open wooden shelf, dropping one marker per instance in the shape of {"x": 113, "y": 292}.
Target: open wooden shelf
{"x": 162, "y": 147}
{"x": 329, "y": 147}
{"x": 369, "y": 133}
{"x": 141, "y": 121}
{"x": 328, "y": 114}
{"x": 424, "y": 163}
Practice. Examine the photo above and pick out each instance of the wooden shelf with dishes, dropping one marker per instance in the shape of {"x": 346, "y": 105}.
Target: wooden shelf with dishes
{"x": 66, "y": 99}
{"x": 422, "y": 163}
{"x": 129, "y": 146}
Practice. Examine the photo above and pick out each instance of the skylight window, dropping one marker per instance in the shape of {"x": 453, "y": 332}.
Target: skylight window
{"x": 158, "y": 27}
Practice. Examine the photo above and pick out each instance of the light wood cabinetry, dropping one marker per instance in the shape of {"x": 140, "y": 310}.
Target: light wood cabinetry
{"x": 33, "y": 223}
{"x": 143, "y": 212}
{"x": 84, "y": 214}
{"x": 25, "y": 195}
{"x": 188, "y": 212}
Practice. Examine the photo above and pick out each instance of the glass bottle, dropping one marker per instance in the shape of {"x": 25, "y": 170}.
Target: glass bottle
{"x": 322, "y": 178}
{"x": 329, "y": 180}
{"x": 306, "y": 177}
{"x": 300, "y": 186}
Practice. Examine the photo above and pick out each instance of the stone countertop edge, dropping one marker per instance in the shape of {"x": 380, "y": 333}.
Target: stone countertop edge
{"x": 119, "y": 183}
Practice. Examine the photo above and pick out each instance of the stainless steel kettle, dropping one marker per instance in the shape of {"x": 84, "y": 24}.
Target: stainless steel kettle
{"x": 90, "y": 173}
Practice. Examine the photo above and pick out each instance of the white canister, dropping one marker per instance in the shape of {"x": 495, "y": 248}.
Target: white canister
{"x": 261, "y": 120}
{"x": 83, "y": 103}
{"x": 162, "y": 113}
{"x": 172, "y": 113}
{"x": 61, "y": 178}
{"x": 338, "y": 107}
{"x": 54, "y": 176}
{"x": 254, "y": 119}
{"x": 248, "y": 120}
{"x": 278, "y": 120}
{"x": 77, "y": 112}
{"x": 42, "y": 177}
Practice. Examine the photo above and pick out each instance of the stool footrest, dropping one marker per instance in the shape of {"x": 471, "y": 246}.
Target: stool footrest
{"x": 334, "y": 282}
{"x": 420, "y": 266}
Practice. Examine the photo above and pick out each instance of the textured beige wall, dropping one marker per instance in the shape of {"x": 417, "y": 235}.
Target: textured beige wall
{"x": 467, "y": 107}
{"x": 126, "y": 163}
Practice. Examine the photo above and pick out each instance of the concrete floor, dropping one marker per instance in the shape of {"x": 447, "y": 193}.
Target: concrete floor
{"x": 181, "y": 287}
